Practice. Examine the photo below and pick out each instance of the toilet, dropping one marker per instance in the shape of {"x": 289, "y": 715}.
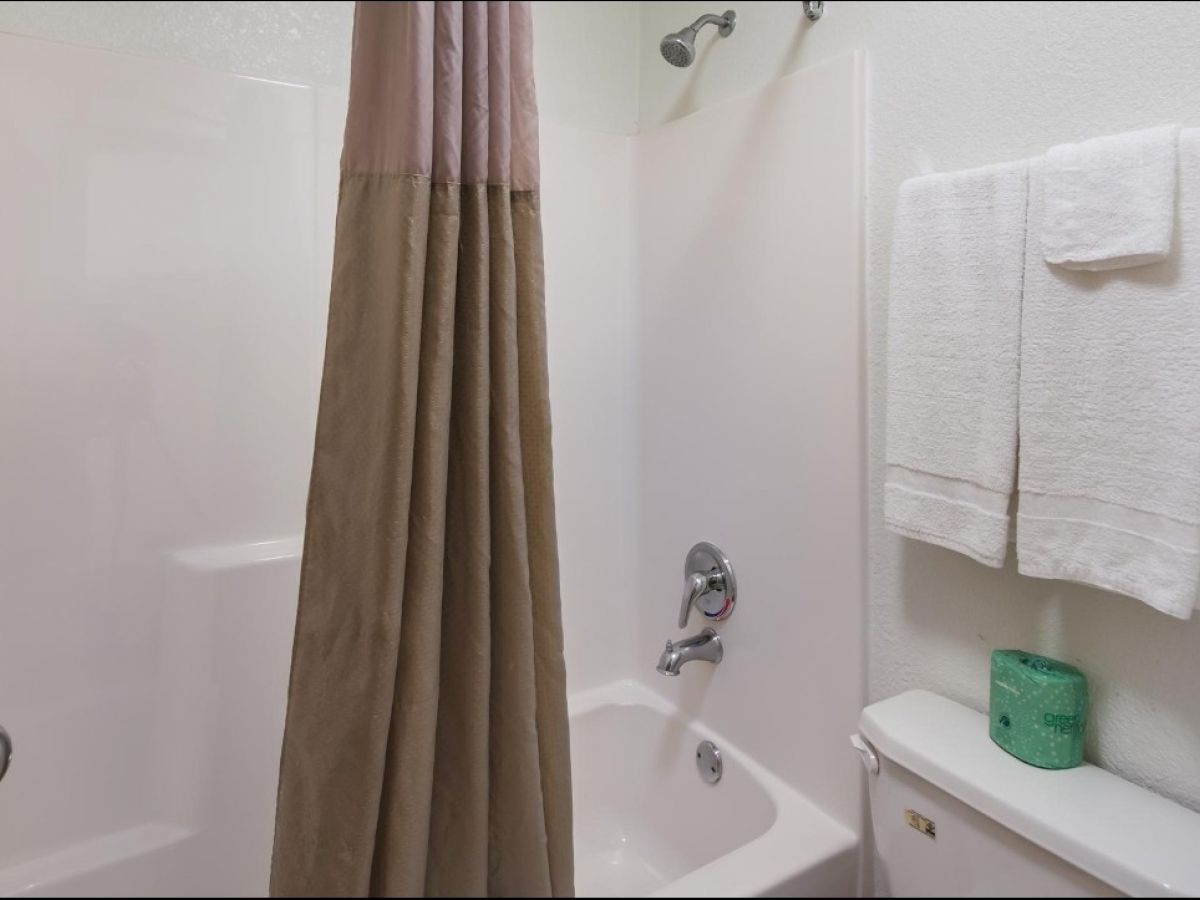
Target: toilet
{"x": 954, "y": 815}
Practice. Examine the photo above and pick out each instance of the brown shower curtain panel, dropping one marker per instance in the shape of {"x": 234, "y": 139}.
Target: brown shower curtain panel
{"x": 426, "y": 748}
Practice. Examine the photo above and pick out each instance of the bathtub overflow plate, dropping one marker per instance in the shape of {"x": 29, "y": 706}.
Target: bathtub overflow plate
{"x": 708, "y": 762}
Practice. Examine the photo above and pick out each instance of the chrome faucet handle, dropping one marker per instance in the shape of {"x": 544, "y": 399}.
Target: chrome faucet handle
{"x": 708, "y": 584}
{"x": 695, "y": 586}
{"x": 6, "y": 749}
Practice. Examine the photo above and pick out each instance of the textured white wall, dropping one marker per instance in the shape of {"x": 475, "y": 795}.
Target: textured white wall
{"x": 585, "y": 52}
{"x": 586, "y": 63}
{"x": 302, "y": 42}
{"x": 953, "y": 85}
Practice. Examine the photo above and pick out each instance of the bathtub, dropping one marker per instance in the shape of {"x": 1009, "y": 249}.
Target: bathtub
{"x": 646, "y": 824}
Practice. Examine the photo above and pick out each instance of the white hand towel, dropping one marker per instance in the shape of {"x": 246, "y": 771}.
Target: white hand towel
{"x": 1110, "y": 202}
{"x": 1110, "y": 415}
{"x": 954, "y": 324}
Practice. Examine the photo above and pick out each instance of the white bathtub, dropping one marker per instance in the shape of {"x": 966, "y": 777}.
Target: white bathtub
{"x": 647, "y": 825}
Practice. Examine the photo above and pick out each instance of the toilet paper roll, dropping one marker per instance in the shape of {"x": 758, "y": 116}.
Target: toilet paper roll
{"x": 1039, "y": 708}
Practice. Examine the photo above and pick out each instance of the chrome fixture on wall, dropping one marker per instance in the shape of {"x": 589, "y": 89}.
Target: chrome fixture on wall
{"x": 679, "y": 47}
{"x": 814, "y": 9}
{"x": 5, "y": 752}
{"x": 705, "y": 646}
{"x": 708, "y": 584}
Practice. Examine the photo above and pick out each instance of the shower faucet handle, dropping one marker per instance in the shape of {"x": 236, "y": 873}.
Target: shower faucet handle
{"x": 695, "y": 586}
{"x": 708, "y": 584}
{"x": 6, "y": 749}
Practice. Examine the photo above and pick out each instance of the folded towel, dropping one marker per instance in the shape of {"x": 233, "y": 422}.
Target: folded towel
{"x": 1109, "y": 203}
{"x": 954, "y": 323}
{"x": 1110, "y": 415}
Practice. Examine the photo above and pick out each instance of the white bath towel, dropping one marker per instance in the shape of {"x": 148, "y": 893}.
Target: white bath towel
{"x": 953, "y": 340}
{"x": 1109, "y": 203}
{"x": 1110, "y": 415}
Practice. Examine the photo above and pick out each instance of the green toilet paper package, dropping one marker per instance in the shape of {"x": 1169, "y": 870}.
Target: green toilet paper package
{"x": 1038, "y": 710}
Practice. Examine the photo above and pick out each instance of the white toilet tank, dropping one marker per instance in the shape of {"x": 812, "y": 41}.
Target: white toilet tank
{"x": 954, "y": 815}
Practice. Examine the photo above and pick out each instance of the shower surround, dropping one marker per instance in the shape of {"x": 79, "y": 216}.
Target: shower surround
{"x": 169, "y": 238}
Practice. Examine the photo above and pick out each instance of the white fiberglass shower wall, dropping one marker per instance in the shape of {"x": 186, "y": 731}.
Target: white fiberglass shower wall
{"x": 750, "y": 413}
{"x": 164, "y": 244}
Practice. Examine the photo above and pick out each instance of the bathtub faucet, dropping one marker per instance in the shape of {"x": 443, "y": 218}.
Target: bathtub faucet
{"x": 706, "y": 646}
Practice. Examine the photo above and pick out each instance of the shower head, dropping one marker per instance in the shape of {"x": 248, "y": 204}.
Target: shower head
{"x": 679, "y": 47}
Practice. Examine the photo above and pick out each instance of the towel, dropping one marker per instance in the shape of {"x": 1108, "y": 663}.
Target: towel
{"x": 1109, "y": 485}
{"x": 953, "y": 341}
{"x": 1109, "y": 203}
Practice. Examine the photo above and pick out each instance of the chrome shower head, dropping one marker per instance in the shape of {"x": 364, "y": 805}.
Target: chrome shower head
{"x": 679, "y": 47}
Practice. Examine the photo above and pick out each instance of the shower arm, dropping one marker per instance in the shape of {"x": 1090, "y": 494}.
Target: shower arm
{"x": 723, "y": 23}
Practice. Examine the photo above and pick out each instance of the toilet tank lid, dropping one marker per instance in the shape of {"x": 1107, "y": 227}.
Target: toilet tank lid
{"x": 1126, "y": 836}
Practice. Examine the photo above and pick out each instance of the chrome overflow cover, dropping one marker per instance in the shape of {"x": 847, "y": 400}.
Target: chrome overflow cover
{"x": 708, "y": 762}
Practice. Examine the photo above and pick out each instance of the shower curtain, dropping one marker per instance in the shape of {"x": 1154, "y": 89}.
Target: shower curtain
{"x": 426, "y": 749}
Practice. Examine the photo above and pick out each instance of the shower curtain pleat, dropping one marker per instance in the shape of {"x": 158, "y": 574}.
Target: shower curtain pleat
{"x": 426, "y": 746}
{"x": 400, "y": 848}
{"x": 461, "y": 821}
{"x": 550, "y": 675}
